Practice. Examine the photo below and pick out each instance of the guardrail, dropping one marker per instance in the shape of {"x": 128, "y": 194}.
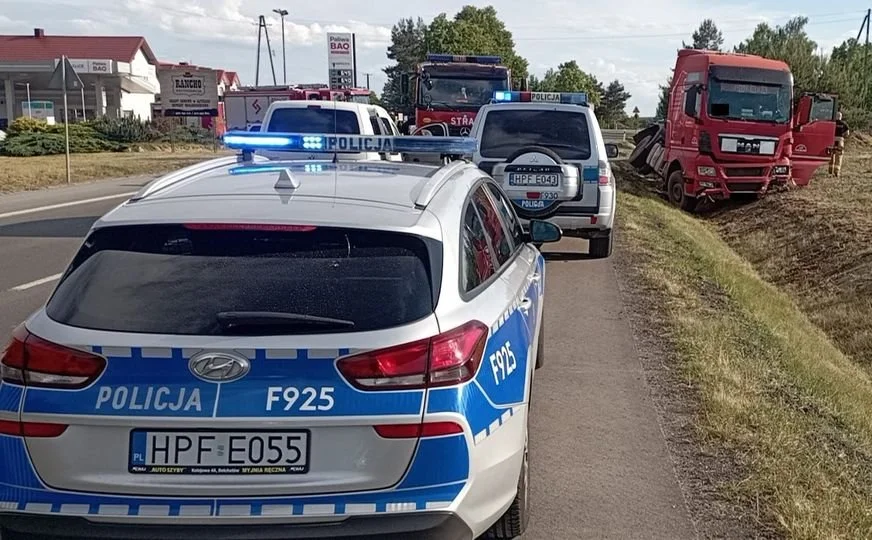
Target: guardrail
{"x": 618, "y": 135}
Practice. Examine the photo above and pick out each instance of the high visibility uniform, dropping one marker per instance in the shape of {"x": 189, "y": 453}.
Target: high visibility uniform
{"x": 838, "y": 148}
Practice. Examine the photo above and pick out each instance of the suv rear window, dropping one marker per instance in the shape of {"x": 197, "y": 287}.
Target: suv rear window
{"x": 313, "y": 119}
{"x": 173, "y": 279}
{"x": 566, "y": 133}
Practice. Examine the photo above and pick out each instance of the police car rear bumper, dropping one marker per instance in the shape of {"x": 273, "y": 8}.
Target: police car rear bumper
{"x": 422, "y": 526}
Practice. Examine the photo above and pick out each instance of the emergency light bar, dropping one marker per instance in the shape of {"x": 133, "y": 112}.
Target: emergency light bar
{"x": 249, "y": 141}
{"x": 464, "y": 58}
{"x": 573, "y": 98}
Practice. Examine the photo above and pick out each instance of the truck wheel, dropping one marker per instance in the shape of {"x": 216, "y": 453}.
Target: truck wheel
{"x": 513, "y": 523}
{"x": 640, "y": 154}
{"x": 600, "y": 248}
{"x": 677, "y": 196}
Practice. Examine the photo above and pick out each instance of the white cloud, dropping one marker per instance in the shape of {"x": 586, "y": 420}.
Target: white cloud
{"x": 634, "y": 41}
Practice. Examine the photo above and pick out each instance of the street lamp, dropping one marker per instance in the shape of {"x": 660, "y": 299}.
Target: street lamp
{"x": 29, "y": 109}
{"x": 282, "y": 13}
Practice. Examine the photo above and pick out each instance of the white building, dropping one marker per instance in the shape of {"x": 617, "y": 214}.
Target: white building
{"x": 119, "y": 74}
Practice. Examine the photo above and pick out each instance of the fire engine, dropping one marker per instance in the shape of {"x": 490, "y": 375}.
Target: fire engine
{"x": 733, "y": 127}
{"x": 245, "y": 108}
{"x": 449, "y": 90}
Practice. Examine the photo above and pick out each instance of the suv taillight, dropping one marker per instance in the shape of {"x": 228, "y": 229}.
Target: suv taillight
{"x": 449, "y": 358}
{"x": 604, "y": 173}
{"x": 32, "y": 361}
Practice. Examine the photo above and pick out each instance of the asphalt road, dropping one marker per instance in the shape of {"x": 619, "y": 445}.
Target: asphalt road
{"x": 600, "y": 468}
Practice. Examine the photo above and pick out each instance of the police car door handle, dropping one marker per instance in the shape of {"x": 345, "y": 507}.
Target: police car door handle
{"x": 535, "y": 277}
{"x": 526, "y": 304}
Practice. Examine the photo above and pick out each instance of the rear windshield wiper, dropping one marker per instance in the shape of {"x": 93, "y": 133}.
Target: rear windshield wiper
{"x": 249, "y": 319}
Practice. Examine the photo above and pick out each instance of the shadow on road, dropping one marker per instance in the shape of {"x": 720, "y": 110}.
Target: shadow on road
{"x": 74, "y": 227}
{"x": 564, "y": 256}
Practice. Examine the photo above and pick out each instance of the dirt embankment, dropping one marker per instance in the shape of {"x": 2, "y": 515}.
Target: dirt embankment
{"x": 815, "y": 243}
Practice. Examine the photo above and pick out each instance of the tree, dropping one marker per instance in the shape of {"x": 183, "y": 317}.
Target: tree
{"x": 375, "y": 100}
{"x": 406, "y": 49}
{"x": 568, "y": 77}
{"x": 791, "y": 44}
{"x": 612, "y": 104}
{"x": 706, "y": 36}
{"x": 663, "y": 104}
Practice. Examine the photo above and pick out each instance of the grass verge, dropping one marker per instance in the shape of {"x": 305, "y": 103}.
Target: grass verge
{"x": 772, "y": 389}
{"x": 20, "y": 174}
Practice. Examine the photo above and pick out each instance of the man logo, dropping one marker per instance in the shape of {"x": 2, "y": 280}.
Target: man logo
{"x": 800, "y": 148}
{"x": 219, "y": 367}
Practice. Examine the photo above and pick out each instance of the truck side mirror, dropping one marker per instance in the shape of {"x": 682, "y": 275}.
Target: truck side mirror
{"x": 690, "y": 102}
{"x": 803, "y": 110}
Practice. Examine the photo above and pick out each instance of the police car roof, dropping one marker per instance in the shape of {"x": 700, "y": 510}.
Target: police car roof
{"x": 373, "y": 194}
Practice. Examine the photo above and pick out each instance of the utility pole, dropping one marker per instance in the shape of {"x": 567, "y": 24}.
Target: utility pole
{"x": 269, "y": 50}
{"x": 367, "y": 80}
{"x": 282, "y": 13}
{"x": 261, "y": 24}
{"x": 867, "y": 20}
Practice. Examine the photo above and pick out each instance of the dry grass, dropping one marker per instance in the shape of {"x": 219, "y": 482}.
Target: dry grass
{"x": 774, "y": 391}
{"x": 20, "y": 174}
{"x": 816, "y": 244}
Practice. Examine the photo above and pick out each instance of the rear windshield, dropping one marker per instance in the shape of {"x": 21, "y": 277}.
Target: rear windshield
{"x": 171, "y": 279}
{"x": 563, "y": 132}
{"x": 313, "y": 119}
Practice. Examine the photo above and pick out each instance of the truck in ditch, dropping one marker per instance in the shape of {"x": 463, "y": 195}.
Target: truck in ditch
{"x": 734, "y": 127}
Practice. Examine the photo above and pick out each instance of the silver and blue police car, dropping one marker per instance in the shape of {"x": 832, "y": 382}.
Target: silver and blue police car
{"x": 283, "y": 349}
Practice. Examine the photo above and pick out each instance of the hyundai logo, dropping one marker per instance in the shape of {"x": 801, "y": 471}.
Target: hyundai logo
{"x": 219, "y": 366}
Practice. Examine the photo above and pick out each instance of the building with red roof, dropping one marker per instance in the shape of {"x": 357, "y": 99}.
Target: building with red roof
{"x": 119, "y": 75}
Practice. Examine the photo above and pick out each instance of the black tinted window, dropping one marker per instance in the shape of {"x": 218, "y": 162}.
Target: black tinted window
{"x": 477, "y": 263}
{"x": 376, "y": 126}
{"x": 492, "y": 225}
{"x": 175, "y": 280}
{"x": 313, "y": 119}
{"x": 505, "y": 131}
{"x": 510, "y": 218}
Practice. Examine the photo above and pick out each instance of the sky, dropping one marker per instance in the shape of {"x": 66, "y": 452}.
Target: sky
{"x": 635, "y": 44}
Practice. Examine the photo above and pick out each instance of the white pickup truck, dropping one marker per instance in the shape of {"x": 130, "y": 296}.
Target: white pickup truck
{"x": 340, "y": 117}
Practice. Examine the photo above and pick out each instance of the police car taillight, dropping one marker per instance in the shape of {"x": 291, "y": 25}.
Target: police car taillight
{"x": 32, "y": 361}
{"x": 604, "y": 173}
{"x": 449, "y": 358}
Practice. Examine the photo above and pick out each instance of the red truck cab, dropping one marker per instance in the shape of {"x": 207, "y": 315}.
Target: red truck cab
{"x": 449, "y": 90}
{"x": 733, "y": 127}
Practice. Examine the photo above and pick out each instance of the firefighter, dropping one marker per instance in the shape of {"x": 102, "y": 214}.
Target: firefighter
{"x": 842, "y": 131}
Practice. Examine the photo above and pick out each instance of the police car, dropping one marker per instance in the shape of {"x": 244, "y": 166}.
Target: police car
{"x": 547, "y": 151}
{"x": 253, "y": 348}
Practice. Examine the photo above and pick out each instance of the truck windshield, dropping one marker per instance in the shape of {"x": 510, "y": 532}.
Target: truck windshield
{"x": 458, "y": 93}
{"x": 751, "y": 94}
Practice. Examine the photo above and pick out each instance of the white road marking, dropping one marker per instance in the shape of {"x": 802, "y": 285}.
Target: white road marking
{"x": 37, "y": 283}
{"x": 66, "y": 204}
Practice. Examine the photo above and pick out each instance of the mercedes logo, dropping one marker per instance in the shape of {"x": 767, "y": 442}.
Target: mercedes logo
{"x": 464, "y": 132}
{"x": 219, "y": 366}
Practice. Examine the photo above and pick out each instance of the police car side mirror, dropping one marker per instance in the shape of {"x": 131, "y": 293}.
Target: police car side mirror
{"x": 611, "y": 150}
{"x": 543, "y": 232}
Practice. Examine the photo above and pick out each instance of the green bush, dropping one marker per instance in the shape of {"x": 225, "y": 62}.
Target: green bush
{"x": 27, "y": 125}
{"x": 46, "y": 144}
{"x": 126, "y": 130}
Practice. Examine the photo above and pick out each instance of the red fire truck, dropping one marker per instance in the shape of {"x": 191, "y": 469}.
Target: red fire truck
{"x": 244, "y": 108}
{"x": 449, "y": 90}
{"x": 733, "y": 127}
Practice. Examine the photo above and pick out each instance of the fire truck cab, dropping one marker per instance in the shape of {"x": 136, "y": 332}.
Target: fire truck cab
{"x": 448, "y": 90}
{"x": 733, "y": 127}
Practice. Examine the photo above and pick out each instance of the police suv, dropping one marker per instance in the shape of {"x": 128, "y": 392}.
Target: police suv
{"x": 264, "y": 349}
{"x": 547, "y": 151}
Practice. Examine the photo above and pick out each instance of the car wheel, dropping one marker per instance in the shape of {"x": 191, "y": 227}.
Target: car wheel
{"x": 513, "y": 523}
{"x": 601, "y": 247}
{"x": 677, "y": 196}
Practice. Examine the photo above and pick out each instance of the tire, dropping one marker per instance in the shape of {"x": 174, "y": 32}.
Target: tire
{"x": 677, "y": 196}
{"x": 640, "y": 152}
{"x": 601, "y": 248}
{"x": 540, "y": 344}
{"x": 514, "y": 522}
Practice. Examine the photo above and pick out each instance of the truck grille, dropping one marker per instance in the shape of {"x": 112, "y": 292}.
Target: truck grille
{"x": 744, "y": 186}
{"x": 732, "y": 172}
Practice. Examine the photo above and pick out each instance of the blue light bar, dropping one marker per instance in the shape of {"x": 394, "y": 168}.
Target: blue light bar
{"x": 248, "y": 141}
{"x": 475, "y": 59}
{"x": 573, "y": 98}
